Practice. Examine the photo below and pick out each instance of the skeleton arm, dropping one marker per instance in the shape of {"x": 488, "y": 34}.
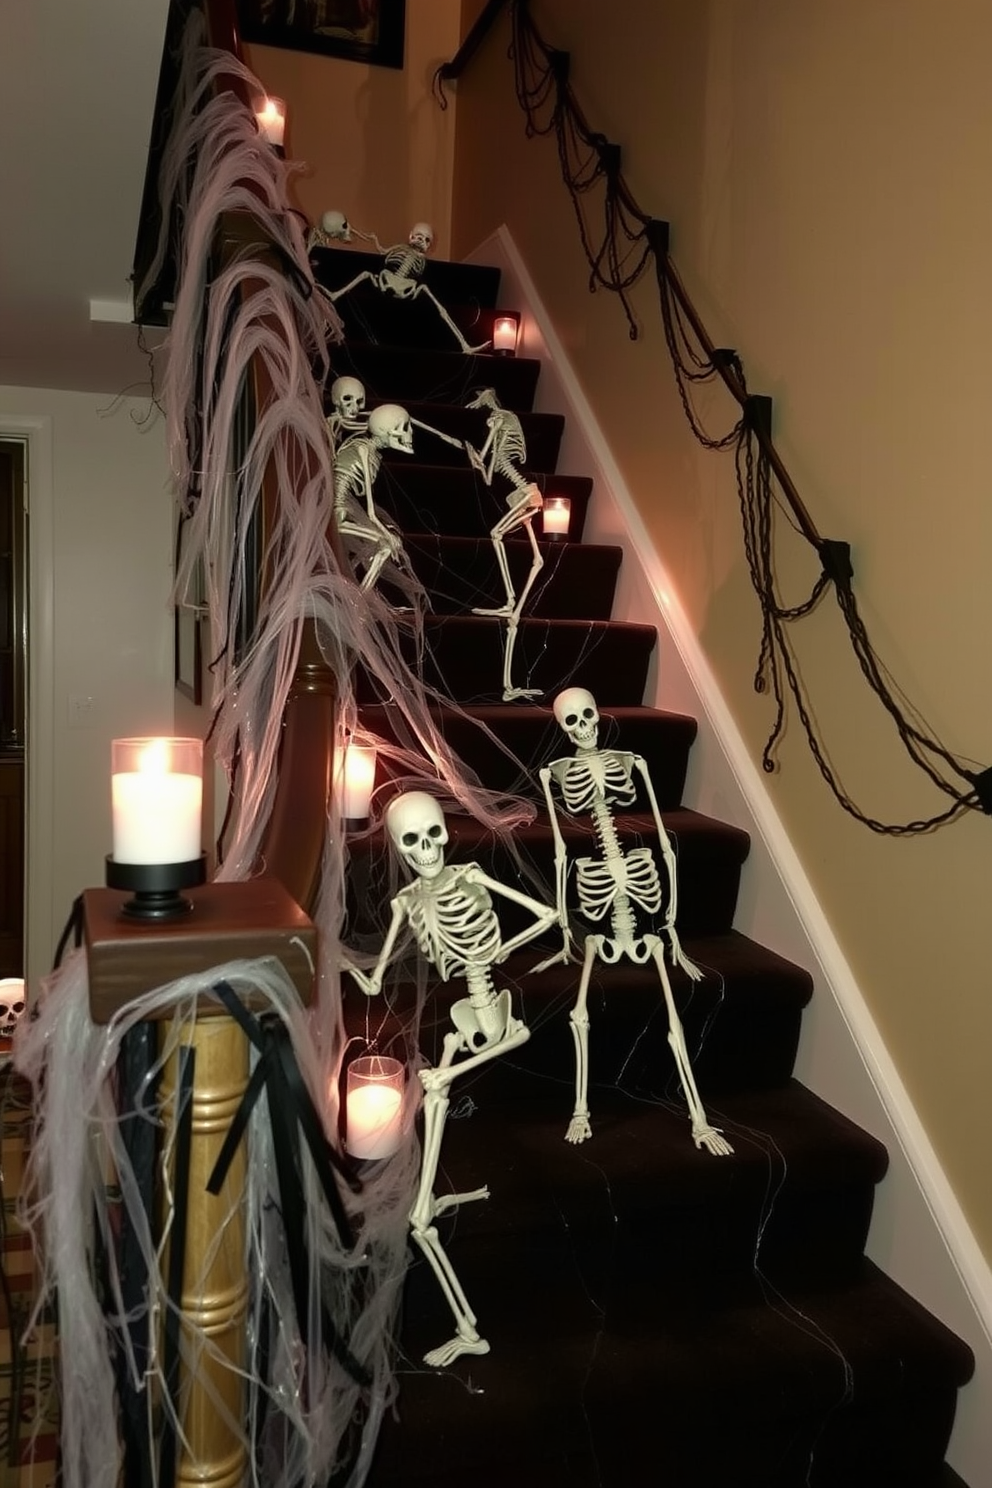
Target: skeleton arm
{"x": 561, "y": 874}
{"x": 543, "y": 914}
{"x": 371, "y": 984}
{"x": 668, "y": 856}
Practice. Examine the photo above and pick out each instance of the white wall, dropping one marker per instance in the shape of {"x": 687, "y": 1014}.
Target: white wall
{"x": 100, "y": 518}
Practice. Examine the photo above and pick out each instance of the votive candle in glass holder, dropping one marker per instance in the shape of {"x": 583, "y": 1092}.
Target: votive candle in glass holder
{"x": 374, "y": 1107}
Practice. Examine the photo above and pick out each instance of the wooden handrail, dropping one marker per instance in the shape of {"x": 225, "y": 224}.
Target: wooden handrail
{"x": 477, "y": 34}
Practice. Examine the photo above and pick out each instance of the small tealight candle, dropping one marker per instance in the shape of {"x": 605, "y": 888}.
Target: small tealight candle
{"x": 157, "y": 794}
{"x": 505, "y": 329}
{"x": 270, "y": 116}
{"x": 374, "y": 1107}
{"x": 557, "y": 513}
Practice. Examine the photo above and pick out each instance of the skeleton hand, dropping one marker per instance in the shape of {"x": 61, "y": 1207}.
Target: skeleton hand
{"x": 474, "y": 458}
{"x": 370, "y": 985}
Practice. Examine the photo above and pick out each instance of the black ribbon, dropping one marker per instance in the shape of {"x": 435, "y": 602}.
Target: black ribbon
{"x": 291, "y": 1111}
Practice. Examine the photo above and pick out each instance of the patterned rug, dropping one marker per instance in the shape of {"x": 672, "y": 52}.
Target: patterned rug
{"x": 28, "y": 1381}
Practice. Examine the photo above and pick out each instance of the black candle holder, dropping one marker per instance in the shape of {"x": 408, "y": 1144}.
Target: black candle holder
{"x": 156, "y": 887}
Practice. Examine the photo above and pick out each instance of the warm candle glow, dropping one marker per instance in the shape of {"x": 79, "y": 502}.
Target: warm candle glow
{"x": 157, "y": 795}
{"x": 505, "y": 329}
{"x": 557, "y": 513}
{"x": 271, "y": 120}
{"x": 374, "y": 1114}
{"x": 358, "y": 783}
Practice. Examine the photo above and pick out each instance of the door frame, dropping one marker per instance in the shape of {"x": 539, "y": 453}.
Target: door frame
{"x": 35, "y": 430}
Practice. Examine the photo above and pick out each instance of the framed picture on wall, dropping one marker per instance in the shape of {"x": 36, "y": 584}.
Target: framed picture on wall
{"x": 358, "y": 30}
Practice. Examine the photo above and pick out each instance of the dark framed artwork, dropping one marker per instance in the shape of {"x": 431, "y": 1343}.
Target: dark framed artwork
{"x": 358, "y": 30}
{"x": 189, "y": 618}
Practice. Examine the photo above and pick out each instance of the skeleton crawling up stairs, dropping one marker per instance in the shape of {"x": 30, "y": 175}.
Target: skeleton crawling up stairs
{"x": 616, "y": 885}
{"x": 449, "y": 909}
{"x": 401, "y": 275}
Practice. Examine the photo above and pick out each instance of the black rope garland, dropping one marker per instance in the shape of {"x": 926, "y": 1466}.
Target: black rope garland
{"x": 618, "y": 253}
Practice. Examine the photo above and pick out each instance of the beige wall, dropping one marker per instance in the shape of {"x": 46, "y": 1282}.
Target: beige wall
{"x": 826, "y": 170}
{"x": 101, "y": 627}
{"x": 373, "y": 142}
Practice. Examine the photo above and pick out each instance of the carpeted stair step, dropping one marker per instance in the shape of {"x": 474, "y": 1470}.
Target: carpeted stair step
{"x": 741, "y": 1021}
{"x": 542, "y": 431}
{"x": 462, "y": 572}
{"x": 709, "y": 853}
{"x": 452, "y": 499}
{"x": 464, "y": 658}
{"x": 637, "y": 1209}
{"x": 397, "y": 374}
{"x": 832, "y": 1388}
{"x": 507, "y": 743}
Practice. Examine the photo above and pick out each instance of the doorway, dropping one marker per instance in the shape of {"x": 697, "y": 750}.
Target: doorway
{"x": 13, "y": 700}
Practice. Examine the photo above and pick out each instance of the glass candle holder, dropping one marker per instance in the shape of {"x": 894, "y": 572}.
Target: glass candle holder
{"x": 270, "y": 116}
{"x": 357, "y": 781}
{"x": 374, "y": 1107}
{"x": 505, "y": 330}
{"x": 157, "y": 799}
{"x": 556, "y": 514}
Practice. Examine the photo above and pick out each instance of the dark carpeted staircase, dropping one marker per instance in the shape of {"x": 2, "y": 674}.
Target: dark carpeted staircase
{"x": 655, "y": 1314}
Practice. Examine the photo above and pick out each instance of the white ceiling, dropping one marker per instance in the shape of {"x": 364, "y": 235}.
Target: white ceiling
{"x": 77, "y": 90}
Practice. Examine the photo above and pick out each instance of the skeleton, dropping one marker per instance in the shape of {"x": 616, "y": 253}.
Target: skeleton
{"x": 449, "y": 910}
{"x": 335, "y": 228}
{"x": 349, "y": 416}
{"x": 402, "y": 271}
{"x": 616, "y": 884}
{"x": 12, "y": 1004}
{"x": 356, "y": 465}
{"x": 503, "y": 453}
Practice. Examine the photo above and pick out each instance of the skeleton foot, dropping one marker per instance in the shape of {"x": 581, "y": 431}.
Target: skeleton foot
{"x": 579, "y": 1130}
{"x": 440, "y": 1358}
{"x": 474, "y": 350}
{"x": 709, "y": 1138}
{"x": 451, "y": 1201}
{"x": 510, "y": 694}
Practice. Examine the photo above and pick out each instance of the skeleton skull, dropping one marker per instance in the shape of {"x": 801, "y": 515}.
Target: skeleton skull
{"x": 389, "y": 425}
{"x": 12, "y": 1004}
{"x": 415, "y": 824}
{"x": 348, "y": 397}
{"x": 576, "y": 712}
{"x": 336, "y": 225}
{"x": 421, "y": 237}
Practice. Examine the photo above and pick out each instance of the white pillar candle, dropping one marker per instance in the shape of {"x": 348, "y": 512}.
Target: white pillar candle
{"x": 557, "y": 513}
{"x": 374, "y": 1107}
{"x": 270, "y": 117}
{"x": 157, "y": 800}
{"x": 359, "y": 781}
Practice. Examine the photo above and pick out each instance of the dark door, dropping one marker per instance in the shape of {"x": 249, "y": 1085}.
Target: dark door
{"x": 13, "y": 657}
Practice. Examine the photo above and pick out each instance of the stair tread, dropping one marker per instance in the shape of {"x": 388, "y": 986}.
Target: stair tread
{"x": 574, "y": 1396}
{"x": 395, "y": 374}
{"x": 462, "y": 572}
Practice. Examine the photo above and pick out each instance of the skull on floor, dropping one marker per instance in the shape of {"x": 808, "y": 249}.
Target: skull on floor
{"x": 348, "y": 397}
{"x": 389, "y": 425}
{"x": 415, "y": 823}
{"x": 576, "y": 712}
{"x": 12, "y": 1004}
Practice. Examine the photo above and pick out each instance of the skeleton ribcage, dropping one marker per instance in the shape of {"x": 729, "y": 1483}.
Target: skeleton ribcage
{"x": 581, "y": 784}
{"x": 599, "y": 883}
{"x": 511, "y": 447}
{"x": 349, "y": 473}
{"x": 406, "y": 262}
{"x": 455, "y": 928}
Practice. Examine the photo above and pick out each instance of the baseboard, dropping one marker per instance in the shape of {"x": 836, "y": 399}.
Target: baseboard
{"x": 919, "y": 1233}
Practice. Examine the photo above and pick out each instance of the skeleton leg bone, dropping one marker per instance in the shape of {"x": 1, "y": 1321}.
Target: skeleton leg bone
{"x": 339, "y": 294}
{"x": 427, "y": 1207}
{"x": 579, "y": 1129}
{"x": 703, "y": 1134}
{"x": 469, "y": 350}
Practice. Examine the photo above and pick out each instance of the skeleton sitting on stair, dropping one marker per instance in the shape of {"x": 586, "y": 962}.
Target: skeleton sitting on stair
{"x": 504, "y": 453}
{"x": 400, "y": 276}
{"x": 618, "y": 883}
{"x": 449, "y": 910}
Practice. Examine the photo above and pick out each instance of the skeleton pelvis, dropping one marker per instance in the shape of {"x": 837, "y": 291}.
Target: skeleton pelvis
{"x": 480, "y": 1026}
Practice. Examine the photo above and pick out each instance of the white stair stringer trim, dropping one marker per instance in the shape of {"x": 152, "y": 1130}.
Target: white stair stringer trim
{"x": 919, "y": 1234}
